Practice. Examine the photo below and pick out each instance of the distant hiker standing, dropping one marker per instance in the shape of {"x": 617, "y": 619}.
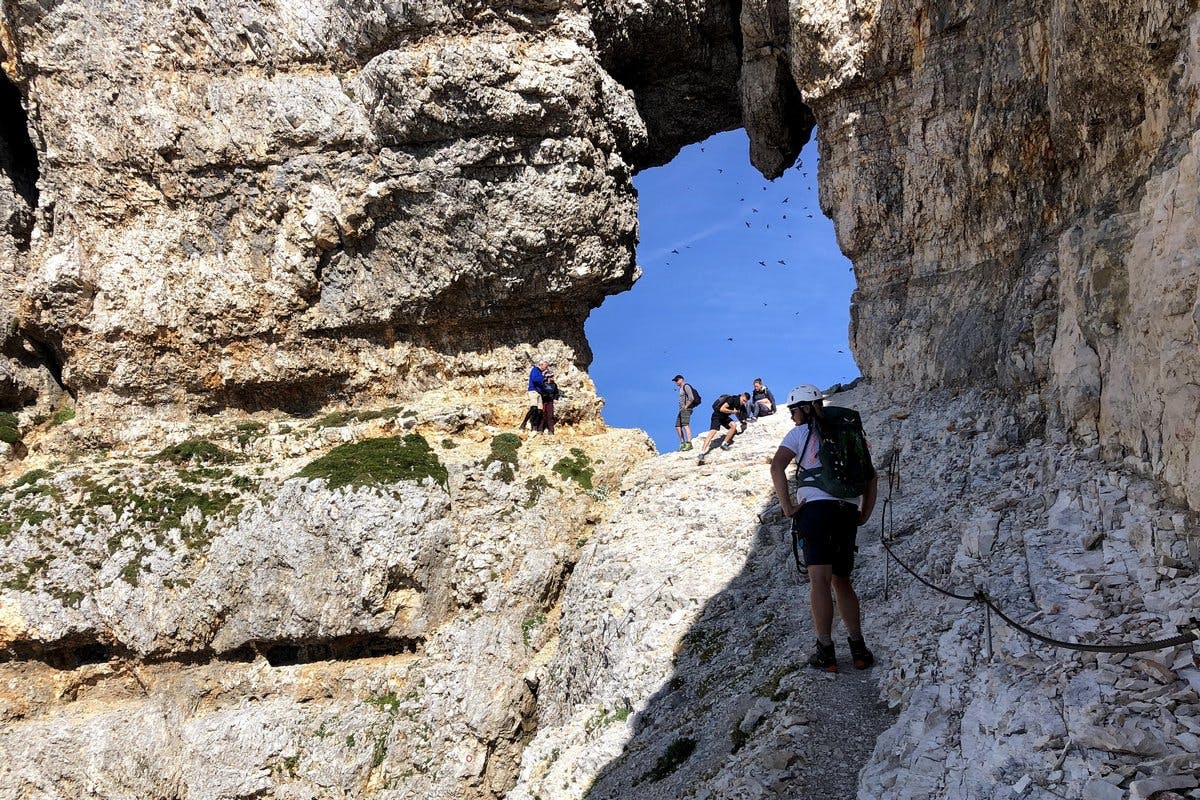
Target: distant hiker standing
{"x": 762, "y": 402}
{"x": 533, "y": 394}
{"x": 689, "y": 398}
{"x": 835, "y": 493}
{"x": 550, "y": 393}
{"x": 726, "y": 413}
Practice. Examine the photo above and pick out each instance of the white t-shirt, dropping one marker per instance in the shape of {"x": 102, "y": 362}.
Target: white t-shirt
{"x": 809, "y": 459}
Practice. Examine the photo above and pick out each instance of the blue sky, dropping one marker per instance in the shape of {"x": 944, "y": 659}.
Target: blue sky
{"x": 714, "y": 302}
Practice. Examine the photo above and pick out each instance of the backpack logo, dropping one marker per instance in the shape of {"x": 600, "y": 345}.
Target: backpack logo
{"x": 845, "y": 468}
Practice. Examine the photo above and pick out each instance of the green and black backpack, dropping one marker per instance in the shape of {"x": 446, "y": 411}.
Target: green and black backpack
{"x": 845, "y": 469}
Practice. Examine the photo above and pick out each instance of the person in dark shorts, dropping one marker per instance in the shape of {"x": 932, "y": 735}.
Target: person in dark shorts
{"x": 727, "y": 410}
{"x": 683, "y": 420}
{"x": 828, "y": 526}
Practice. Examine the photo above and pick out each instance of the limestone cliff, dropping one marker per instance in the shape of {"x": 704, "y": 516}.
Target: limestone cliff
{"x": 282, "y": 207}
{"x": 217, "y": 219}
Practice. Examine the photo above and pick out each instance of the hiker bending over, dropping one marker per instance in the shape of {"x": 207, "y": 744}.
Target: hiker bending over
{"x": 726, "y": 412}
{"x": 834, "y": 495}
{"x": 689, "y": 398}
{"x": 533, "y": 394}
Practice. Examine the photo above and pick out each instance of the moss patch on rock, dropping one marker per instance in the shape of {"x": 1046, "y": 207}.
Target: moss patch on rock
{"x": 374, "y": 462}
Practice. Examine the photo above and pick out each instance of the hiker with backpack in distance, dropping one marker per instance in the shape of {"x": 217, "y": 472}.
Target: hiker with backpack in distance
{"x": 836, "y": 486}
{"x": 727, "y": 411}
{"x": 689, "y": 398}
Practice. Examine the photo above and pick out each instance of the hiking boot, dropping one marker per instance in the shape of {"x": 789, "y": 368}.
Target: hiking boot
{"x": 700, "y": 461}
{"x": 725, "y": 445}
{"x": 824, "y": 658}
{"x": 863, "y": 658}
{"x": 682, "y": 446}
{"x": 685, "y": 446}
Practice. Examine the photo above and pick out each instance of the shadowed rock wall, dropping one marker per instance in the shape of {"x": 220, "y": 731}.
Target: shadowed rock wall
{"x": 1015, "y": 184}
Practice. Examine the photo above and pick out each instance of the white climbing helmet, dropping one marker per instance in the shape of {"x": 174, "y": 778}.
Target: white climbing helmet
{"x": 804, "y": 393}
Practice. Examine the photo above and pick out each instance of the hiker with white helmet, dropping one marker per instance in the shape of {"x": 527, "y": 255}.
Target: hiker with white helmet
{"x": 835, "y": 493}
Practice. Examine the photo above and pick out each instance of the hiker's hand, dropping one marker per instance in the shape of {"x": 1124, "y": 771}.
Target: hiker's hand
{"x": 863, "y": 517}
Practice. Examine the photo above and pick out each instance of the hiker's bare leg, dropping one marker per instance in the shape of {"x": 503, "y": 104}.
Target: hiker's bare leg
{"x": 848, "y": 609}
{"x": 820, "y": 599}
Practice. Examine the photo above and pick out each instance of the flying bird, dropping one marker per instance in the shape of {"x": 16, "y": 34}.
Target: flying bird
{"x": 676, "y": 252}
{"x": 763, "y": 263}
{"x": 747, "y": 224}
{"x": 781, "y": 261}
{"x": 785, "y": 200}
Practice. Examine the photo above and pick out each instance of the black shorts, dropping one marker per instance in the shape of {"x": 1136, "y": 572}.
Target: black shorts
{"x": 828, "y": 528}
{"x": 719, "y": 421}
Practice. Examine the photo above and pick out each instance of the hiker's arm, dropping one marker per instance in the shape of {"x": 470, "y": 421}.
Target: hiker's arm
{"x": 779, "y": 463}
{"x": 868, "y": 504}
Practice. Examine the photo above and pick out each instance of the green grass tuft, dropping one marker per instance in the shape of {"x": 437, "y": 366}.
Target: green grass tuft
{"x": 61, "y": 416}
{"x": 195, "y": 451}
{"x": 10, "y": 432}
{"x": 504, "y": 450}
{"x": 536, "y": 485}
{"x": 336, "y": 419}
{"x": 374, "y": 462}
{"x": 576, "y": 467}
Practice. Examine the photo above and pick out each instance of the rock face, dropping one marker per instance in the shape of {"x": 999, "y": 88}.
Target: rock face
{"x": 273, "y": 207}
{"x": 216, "y": 207}
{"x": 281, "y": 207}
{"x": 685, "y": 630}
{"x": 268, "y": 633}
{"x": 1015, "y": 184}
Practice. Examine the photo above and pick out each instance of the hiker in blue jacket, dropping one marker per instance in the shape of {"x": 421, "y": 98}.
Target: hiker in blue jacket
{"x": 828, "y": 526}
{"x": 533, "y": 394}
